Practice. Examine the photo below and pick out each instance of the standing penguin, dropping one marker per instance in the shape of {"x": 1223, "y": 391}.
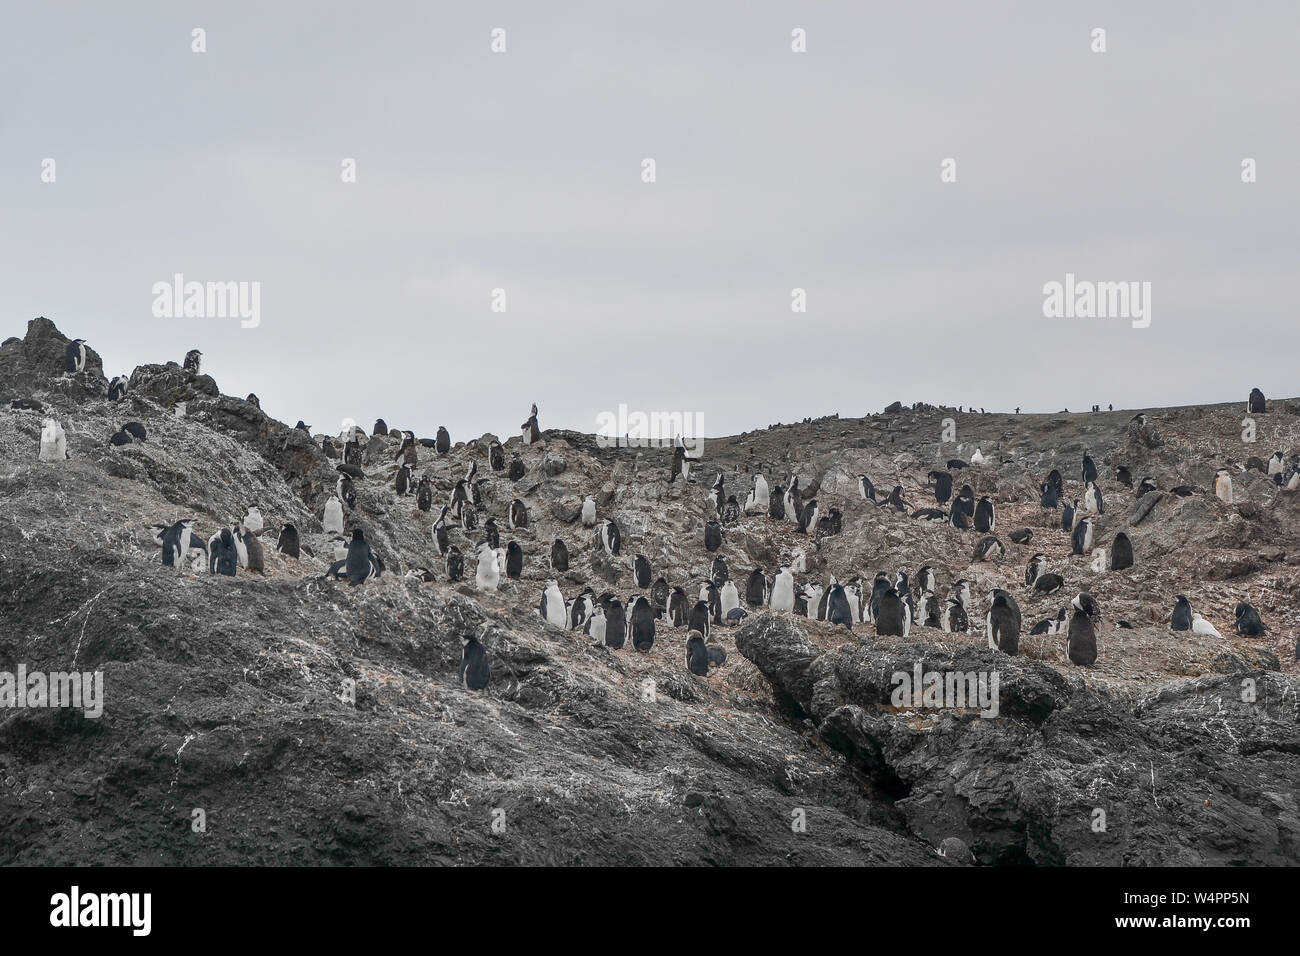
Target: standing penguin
{"x": 1255, "y": 404}
{"x": 793, "y": 501}
{"x": 1181, "y": 619}
{"x": 333, "y": 516}
{"x": 287, "y": 543}
{"x": 659, "y": 594}
{"x": 589, "y": 511}
{"x": 193, "y": 359}
{"x": 403, "y": 482}
{"x": 611, "y": 539}
{"x": 1223, "y": 485}
{"x": 475, "y": 671}
{"x": 54, "y": 442}
{"x": 1068, "y": 515}
{"x": 1081, "y": 539}
{"x": 699, "y": 618}
{"x": 985, "y": 515}
{"x": 866, "y": 489}
{"x": 837, "y": 606}
{"x": 455, "y": 564}
{"x": 514, "y": 560}
{"x": 1089, "y": 469}
{"x": 643, "y": 624}
{"x": 559, "y": 555}
{"x": 615, "y": 621}
{"x": 641, "y": 570}
{"x": 712, "y": 536}
{"x": 424, "y": 494}
{"x": 808, "y": 517}
{"x": 729, "y": 598}
{"x": 496, "y": 456}
{"x": 529, "y": 430}
{"x": 439, "y": 531}
{"x": 758, "y": 500}
{"x": 595, "y": 626}
{"x": 942, "y": 482}
{"x": 953, "y": 617}
{"x": 892, "y": 616}
{"x": 223, "y": 556}
{"x": 117, "y": 388}
{"x": 756, "y": 588}
{"x": 783, "y": 590}
{"x": 359, "y": 564}
{"x": 1092, "y": 500}
{"x": 488, "y": 575}
{"x": 776, "y": 508}
{"x": 679, "y": 607}
{"x": 517, "y": 469}
{"x": 255, "y": 554}
{"x": 552, "y": 605}
{"x": 518, "y": 514}
{"x": 442, "y": 444}
{"x": 1121, "y": 552}
{"x": 74, "y": 356}
{"x": 1081, "y": 639}
{"x": 1002, "y": 627}
{"x": 697, "y": 655}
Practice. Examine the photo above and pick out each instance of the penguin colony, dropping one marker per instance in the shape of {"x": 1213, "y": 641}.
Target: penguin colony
{"x": 890, "y": 604}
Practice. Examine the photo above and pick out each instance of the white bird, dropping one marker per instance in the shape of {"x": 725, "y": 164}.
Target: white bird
{"x": 54, "y": 443}
{"x": 783, "y": 591}
{"x": 488, "y": 576}
{"x": 977, "y": 458}
{"x": 333, "y": 515}
{"x": 253, "y": 520}
{"x": 596, "y": 626}
{"x": 552, "y": 608}
{"x": 1201, "y": 626}
{"x": 589, "y": 512}
{"x": 730, "y": 598}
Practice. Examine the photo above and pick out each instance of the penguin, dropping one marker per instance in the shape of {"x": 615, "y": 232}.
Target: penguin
{"x": 254, "y": 554}
{"x": 697, "y": 656}
{"x": 699, "y": 618}
{"x": 954, "y": 618}
{"x": 302, "y": 426}
{"x": 424, "y": 494}
{"x": 866, "y": 489}
{"x": 333, "y": 516}
{"x": 776, "y": 508}
{"x": 1081, "y": 639}
{"x": 475, "y": 671}
{"x": 878, "y": 587}
{"x": 729, "y": 597}
{"x": 380, "y": 429}
{"x": 838, "y": 610}
{"x": 241, "y": 552}
{"x": 813, "y": 607}
{"x": 589, "y": 512}
{"x": 719, "y": 573}
{"x": 712, "y": 596}
{"x": 1121, "y": 552}
{"x": 358, "y": 564}
{"x": 551, "y": 606}
{"x": 730, "y": 511}
{"x": 455, "y": 564}
{"x": 514, "y": 560}
{"x": 496, "y": 456}
{"x": 1037, "y": 565}
{"x": 1092, "y": 500}
{"x": 1181, "y": 619}
{"x": 1201, "y": 626}
{"x": 121, "y": 438}
{"x": 460, "y": 500}
{"x": 958, "y": 516}
{"x": 1068, "y": 516}
{"x": 1248, "y": 622}
{"x": 117, "y": 388}
{"x": 1089, "y": 469}
{"x": 1124, "y": 476}
{"x": 74, "y": 356}
{"x": 1048, "y": 583}
{"x": 579, "y": 612}
{"x": 346, "y": 491}
{"x": 942, "y": 482}
{"x": 758, "y": 500}
{"x": 439, "y": 532}
{"x": 712, "y": 536}
{"x": 1255, "y": 404}
{"x": 892, "y": 617}
{"x": 559, "y": 556}
{"x": 406, "y": 450}
{"x": 1223, "y": 485}
{"x": 54, "y": 442}
{"x": 808, "y": 520}
{"x": 518, "y": 514}
{"x": 1081, "y": 539}
{"x": 488, "y": 575}
{"x": 1021, "y": 535}
{"x": 442, "y": 444}
{"x": 926, "y": 580}
{"x": 659, "y": 594}
{"x": 717, "y": 495}
{"x": 529, "y": 430}
{"x": 641, "y": 571}
{"x": 1050, "y": 625}
{"x": 287, "y": 542}
{"x": 327, "y": 446}
{"x": 756, "y": 588}
{"x": 895, "y": 500}
{"x": 611, "y": 539}
{"x": 175, "y": 541}
{"x": 223, "y": 557}
{"x": 988, "y": 549}
{"x": 193, "y": 359}
{"x": 1001, "y": 627}
{"x": 595, "y": 626}
{"x": 1275, "y": 464}
{"x": 985, "y": 516}
{"x": 615, "y": 621}
{"x": 783, "y": 590}
{"x": 793, "y": 501}
{"x": 718, "y": 655}
{"x": 643, "y": 624}
{"x": 678, "y": 607}
{"x": 1050, "y": 498}
{"x": 955, "y": 463}
{"x": 517, "y": 469}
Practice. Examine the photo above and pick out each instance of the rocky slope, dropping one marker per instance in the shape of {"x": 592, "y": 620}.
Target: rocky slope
{"x": 229, "y": 695}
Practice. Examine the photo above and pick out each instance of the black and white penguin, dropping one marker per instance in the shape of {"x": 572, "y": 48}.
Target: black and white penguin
{"x": 611, "y": 539}
{"x": 838, "y": 610}
{"x": 1037, "y": 565}
{"x": 1275, "y": 464}
{"x": 793, "y": 501}
{"x": 896, "y": 500}
{"x": 892, "y": 617}
{"x": 327, "y": 446}
{"x": 580, "y": 611}
{"x": 730, "y": 511}
{"x": 455, "y": 564}
{"x": 551, "y": 605}
{"x": 596, "y": 626}
{"x": 1081, "y": 539}
{"x": 719, "y": 573}
{"x": 529, "y": 430}
{"x": 358, "y": 563}
{"x": 942, "y": 482}
{"x": 1081, "y": 641}
{"x": 926, "y": 580}
{"x": 424, "y": 494}
{"x": 559, "y": 555}
{"x": 475, "y": 670}
{"x": 958, "y": 516}
{"x": 954, "y": 463}
{"x": 615, "y": 621}
{"x": 1124, "y": 476}
{"x": 878, "y": 587}
{"x": 697, "y": 655}
{"x": 1021, "y": 535}
{"x": 756, "y": 589}
{"x": 717, "y": 495}
{"x": 1248, "y": 621}
{"x": 759, "y": 498}
{"x": 807, "y": 520}
{"x": 193, "y": 360}
{"x": 380, "y": 429}
{"x": 514, "y": 560}
{"x": 403, "y": 483}
{"x": 439, "y": 532}
{"x": 699, "y": 617}
{"x": 953, "y": 618}
{"x": 659, "y": 593}
{"x": 74, "y": 356}
{"x": 1092, "y": 500}
{"x": 346, "y": 491}
{"x": 223, "y": 556}
{"x": 442, "y": 443}
{"x": 782, "y": 597}
{"x": 496, "y": 456}
{"x": 517, "y": 469}
{"x": 641, "y": 571}
{"x": 1050, "y": 497}
{"x": 1145, "y": 486}
{"x": 518, "y": 514}
{"x": 643, "y": 624}
{"x": 287, "y": 542}
{"x": 988, "y": 548}
{"x": 866, "y": 489}
{"x": 1255, "y": 404}
{"x": 679, "y": 607}
{"x": 712, "y": 536}
{"x": 776, "y": 507}
{"x": 1050, "y": 625}
{"x": 117, "y": 388}
{"x": 710, "y": 593}
{"x": 1089, "y": 469}
{"x": 1121, "y": 552}
{"x": 1181, "y": 619}
{"x": 1068, "y": 516}
{"x": 985, "y": 516}
{"x": 1001, "y": 626}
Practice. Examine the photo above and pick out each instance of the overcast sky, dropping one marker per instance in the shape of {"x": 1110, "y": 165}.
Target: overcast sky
{"x": 775, "y": 170}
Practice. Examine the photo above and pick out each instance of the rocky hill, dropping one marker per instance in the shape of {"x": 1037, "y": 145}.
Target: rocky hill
{"x": 229, "y": 696}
